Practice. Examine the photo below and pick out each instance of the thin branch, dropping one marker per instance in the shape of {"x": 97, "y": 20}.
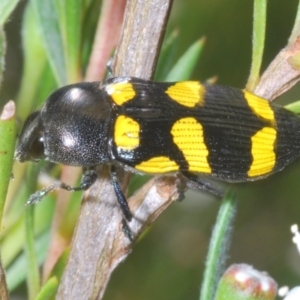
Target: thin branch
{"x": 107, "y": 35}
{"x": 282, "y": 74}
{"x": 99, "y": 243}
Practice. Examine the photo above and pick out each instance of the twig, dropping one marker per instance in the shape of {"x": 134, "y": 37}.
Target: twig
{"x": 282, "y": 74}
{"x": 99, "y": 243}
{"x": 108, "y": 31}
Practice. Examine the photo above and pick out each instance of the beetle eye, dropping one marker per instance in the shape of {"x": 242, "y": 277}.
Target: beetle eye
{"x": 36, "y": 148}
{"x": 31, "y": 143}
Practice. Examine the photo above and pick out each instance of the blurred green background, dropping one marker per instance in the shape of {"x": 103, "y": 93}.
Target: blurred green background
{"x": 167, "y": 263}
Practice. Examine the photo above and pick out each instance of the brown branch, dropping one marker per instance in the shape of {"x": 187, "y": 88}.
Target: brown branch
{"x": 4, "y": 295}
{"x": 99, "y": 243}
{"x": 106, "y": 38}
{"x": 141, "y": 38}
{"x": 107, "y": 35}
{"x": 282, "y": 74}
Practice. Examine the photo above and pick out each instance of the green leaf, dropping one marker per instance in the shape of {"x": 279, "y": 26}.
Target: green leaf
{"x": 258, "y": 41}
{"x": 61, "y": 263}
{"x": 166, "y": 56}
{"x": 33, "y": 278}
{"x": 90, "y": 17}
{"x": 52, "y": 38}
{"x": 49, "y": 289}
{"x": 13, "y": 238}
{"x": 218, "y": 246}
{"x": 2, "y": 53}
{"x": 70, "y": 19}
{"x": 19, "y": 266}
{"x": 296, "y": 29}
{"x": 8, "y": 134}
{"x": 34, "y": 62}
{"x": 6, "y": 8}
{"x": 184, "y": 67}
{"x": 44, "y": 90}
{"x": 294, "y": 107}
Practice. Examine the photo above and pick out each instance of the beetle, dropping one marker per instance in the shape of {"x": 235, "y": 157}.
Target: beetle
{"x": 197, "y": 130}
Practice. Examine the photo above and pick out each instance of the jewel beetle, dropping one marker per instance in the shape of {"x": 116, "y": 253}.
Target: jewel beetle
{"x": 197, "y": 130}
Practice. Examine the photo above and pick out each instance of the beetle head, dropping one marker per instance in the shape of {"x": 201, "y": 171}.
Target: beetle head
{"x": 71, "y": 128}
{"x": 31, "y": 144}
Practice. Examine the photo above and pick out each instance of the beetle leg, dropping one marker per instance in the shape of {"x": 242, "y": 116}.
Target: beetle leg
{"x": 89, "y": 177}
{"x": 127, "y": 216}
{"x": 196, "y": 182}
{"x": 120, "y": 196}
{"x": 109, "y": 69}
{"x": 126, "y": 229}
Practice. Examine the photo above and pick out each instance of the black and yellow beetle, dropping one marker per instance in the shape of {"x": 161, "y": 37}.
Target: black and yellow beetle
{"x": 187, "y": 127}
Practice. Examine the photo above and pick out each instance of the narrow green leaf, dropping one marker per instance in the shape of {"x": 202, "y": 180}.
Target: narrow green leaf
{"x": 13, "y": 242}
{"x": 294, "y": 107}
{"x": 258, "y": 41}
{"x": 52, "y": 37}
{"x": 34, "y": 62}
{"x": 218, "y": 247}
{"x": 8, "y": 135}
{"x": 184, "y": 67}
{"x": 61, "y": 263}
{"x": 296, "y": 29}
{"x": 19, "y": 266}
{"x": 33, "y": 279}
{"x": 90, "y": 18}
{"x": 48, "y": 291}
{"x": 2, "y": 53}
{"x": 73, "y": 38}
{"x": 6, "y": 8}
{"x": 166, "y": 56}
{"x": 13, "y": 238}
{"x": 49, "y": 85}
{"x": 70, "y": 19}
{"x": 88, "y": 3}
